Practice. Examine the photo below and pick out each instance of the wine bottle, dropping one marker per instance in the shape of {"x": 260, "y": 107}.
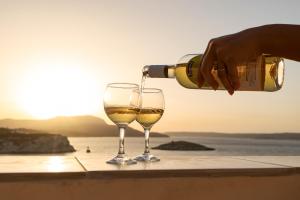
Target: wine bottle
{"x": 266, "y": 73}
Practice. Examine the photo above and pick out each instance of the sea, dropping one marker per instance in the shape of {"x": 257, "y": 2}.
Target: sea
{"x": 223, "y": 146}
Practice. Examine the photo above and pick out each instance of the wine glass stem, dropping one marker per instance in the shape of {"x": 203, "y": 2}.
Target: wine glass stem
{"x": 121, "y": 141}
{"x": 147, "y": 148}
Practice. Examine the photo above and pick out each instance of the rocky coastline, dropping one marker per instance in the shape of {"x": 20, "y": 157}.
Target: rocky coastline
{"x": 183, "y": 146}
{"x": 14, "y": 141}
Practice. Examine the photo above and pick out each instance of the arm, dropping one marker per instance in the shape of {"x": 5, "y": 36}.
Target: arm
{"x": 281, "y": 40}
{"x": 229, "y": 51}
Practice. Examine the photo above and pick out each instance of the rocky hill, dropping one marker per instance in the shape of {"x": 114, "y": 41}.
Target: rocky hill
{"x": 78, "y": 126}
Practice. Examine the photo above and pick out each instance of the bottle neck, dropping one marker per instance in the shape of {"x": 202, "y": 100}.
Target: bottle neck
{"x": 159, "y": 71}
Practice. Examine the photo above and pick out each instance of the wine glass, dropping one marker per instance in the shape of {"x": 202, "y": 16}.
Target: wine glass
{"x": 121, "y": 101}
{"x": 151, "y": 110}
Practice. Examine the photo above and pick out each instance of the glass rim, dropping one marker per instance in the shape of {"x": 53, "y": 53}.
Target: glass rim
{"x": 123, "y": 85}
{"x": 151, "y": 90}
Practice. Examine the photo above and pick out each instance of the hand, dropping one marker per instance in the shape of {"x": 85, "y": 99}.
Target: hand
{"x": 227, "y": 53}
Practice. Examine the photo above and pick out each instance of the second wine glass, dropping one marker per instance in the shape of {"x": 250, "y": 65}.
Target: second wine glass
{"x": 152, "y": 106}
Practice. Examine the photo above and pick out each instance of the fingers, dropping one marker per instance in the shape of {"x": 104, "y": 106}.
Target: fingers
{"x": 227, "y": 72}
{"x": 206, "y": 67}
{"x": 233, "y": 74}
{"x": 200, "y": 78}
{"x": 224, "y": 78}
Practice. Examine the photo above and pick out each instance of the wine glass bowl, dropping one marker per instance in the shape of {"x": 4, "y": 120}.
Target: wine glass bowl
{"x": 151, "y": 105}
{"x": 121, "y": 105}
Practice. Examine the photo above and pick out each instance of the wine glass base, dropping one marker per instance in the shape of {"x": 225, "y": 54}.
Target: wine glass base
{"x": 146, "y": 157}
{"x": 121, "y": 160}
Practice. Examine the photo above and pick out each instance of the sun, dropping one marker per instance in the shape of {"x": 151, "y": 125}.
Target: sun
{"x": 50, "y": 90}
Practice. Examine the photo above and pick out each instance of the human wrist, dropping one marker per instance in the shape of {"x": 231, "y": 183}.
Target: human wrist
{"x": 255, "y": 38}
{"x": 269, "y": 38}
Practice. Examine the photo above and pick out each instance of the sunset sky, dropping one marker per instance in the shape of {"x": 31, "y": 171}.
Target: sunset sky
{"x": 56, "y": 58}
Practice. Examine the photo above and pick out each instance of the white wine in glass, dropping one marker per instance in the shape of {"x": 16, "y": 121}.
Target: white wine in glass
{"x": 121, "y": 115}
{"x": 147, "y": 117}
{"x": 121, "y": 105}
{"x": 151, "y": 110}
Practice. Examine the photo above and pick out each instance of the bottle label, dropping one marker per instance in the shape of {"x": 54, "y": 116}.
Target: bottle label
{"x": 250, "y": 75}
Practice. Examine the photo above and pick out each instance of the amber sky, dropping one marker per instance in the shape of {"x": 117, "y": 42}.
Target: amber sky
{"x": 56, "y": 57}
